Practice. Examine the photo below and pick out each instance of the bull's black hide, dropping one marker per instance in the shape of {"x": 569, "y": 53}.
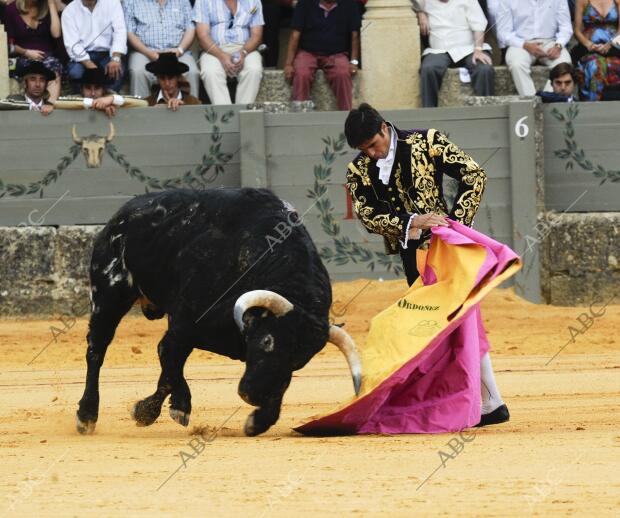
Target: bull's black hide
{"x": 199, "y": 257}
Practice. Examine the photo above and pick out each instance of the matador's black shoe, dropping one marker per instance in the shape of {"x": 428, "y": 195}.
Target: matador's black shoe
{"x": 499, "y": 415}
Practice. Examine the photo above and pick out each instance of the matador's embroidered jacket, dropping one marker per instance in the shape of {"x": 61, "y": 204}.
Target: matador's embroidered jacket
{"x": 415, "y": 186}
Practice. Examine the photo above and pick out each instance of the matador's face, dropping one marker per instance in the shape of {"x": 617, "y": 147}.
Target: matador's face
{"x": 378, "y": 146}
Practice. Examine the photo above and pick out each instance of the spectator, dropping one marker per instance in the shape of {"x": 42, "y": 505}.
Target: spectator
{"x": 155, "y": 26}
{"x": 36, "y": 76}
{"x": 534, "y": 31}
{"x": 96, "y": 96}
{"x": 490, "y": 11}
{"x": 275, "y": 12}
{"x": 169, "y": 72}
{"x": 326, "y": 35}
{"x": 229, "y": 39}
{"x": 3, "y": 6}
{"x": 563, "y": 80}
{"x": 94, "y": 34}
{"x": 31, "y": 27}
{"x": 571, "y": 8}
{"x": 456, "y": 39}
{"x": 597, "y": 59}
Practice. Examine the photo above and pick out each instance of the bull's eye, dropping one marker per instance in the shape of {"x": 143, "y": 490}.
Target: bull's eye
{"x": 267, "y": 343}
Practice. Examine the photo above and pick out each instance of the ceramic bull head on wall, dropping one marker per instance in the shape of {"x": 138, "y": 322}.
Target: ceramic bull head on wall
{"x": 92, "y": 145}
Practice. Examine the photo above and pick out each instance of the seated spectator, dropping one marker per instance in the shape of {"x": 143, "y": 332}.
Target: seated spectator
{"x": 456, "y": 39}
{"x": 32, "y": 26}
{"x": 326, "y": 35}
{"x": 492, "y": 6}
{"x": 94, "y": 34}
{"x": 36, "y": 76}
{"x": 534, "y": 32}
{"x": 96, "y": 96}
{"x": 229, "y": 39}
{"x": 275, "y": 12}
{"x": 563, "y": 80}
{"x": 597, "y": 59}
{"x": 571, "y": 8}
{"x": 169, "y": 72}
{"x": 154, "y": 27}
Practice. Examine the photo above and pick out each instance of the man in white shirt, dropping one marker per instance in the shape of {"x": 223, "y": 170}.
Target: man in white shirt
{"x": 456, "y": 38}
{"x": 95, "y": 34}
{"x": 534, "y": 31}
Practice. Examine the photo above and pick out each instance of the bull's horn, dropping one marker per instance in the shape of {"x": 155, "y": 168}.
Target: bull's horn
{"x": 74, "y": 134}
{"x": 111, "y": 133}
{"x": 340, "y": 338}
{"x": 270, "y": 300}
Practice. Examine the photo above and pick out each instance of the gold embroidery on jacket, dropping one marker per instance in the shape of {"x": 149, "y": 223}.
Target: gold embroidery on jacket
{"x": 381, "y": 223}
{"x": 427, "y": 198}
{"x": 471, "y": 174}
{"x": 361, "y": 170}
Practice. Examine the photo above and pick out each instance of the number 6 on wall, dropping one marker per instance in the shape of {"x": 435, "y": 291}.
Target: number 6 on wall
{"x": 521, "y": 128}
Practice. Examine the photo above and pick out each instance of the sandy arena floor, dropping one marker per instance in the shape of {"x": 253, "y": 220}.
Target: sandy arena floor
{"x": 559, "y": 454}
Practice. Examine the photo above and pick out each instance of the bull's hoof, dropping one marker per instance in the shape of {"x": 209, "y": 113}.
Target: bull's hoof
{"x": 179, "y": 416}
{"x": 85, "y": 427}
{"x": 250, "y": 428}
{"x": 145, "y": 412}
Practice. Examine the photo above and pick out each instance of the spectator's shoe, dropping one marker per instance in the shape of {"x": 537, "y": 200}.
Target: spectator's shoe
{"x": 499, "y": 415}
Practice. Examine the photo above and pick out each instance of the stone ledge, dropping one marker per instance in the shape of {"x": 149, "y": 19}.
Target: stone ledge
{"x": 274, "y": 88}
{"x": 581, "y": 262}
{"x": 44, "y": 270}
{"x": 455, "y": 93}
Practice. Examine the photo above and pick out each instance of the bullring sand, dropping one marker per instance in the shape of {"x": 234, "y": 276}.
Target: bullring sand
{"x": 558, "y": 455}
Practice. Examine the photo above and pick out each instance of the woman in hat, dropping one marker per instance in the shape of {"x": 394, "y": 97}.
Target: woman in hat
{"x": 172, "y": 90}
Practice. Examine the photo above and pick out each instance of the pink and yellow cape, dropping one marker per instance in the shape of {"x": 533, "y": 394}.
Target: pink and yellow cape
{"x": 421, "y": 361}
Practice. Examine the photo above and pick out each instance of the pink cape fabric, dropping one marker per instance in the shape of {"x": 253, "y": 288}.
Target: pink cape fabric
{"x": 438, "y": 390}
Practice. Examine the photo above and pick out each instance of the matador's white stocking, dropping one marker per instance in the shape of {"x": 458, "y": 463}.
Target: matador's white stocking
{"x": 491, "y": 398}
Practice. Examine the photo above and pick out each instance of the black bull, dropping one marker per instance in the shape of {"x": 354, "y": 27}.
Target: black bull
{"x": 236, "y": 273}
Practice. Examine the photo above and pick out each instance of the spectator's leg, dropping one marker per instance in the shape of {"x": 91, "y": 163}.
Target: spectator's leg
{"x": 590, "y": 84}
{"x": 53, "y": 88}
{"x": 272, "y": 14}
{"x": 214, "y": 79}
{"x": 102, "y": 60}
{"x": 249, "y": 78}
{"x": 433, "y": 68}
{"x": 75, "y": 71}
{"x": 192, "y": 76}
{"x": 519, "y": 62}
{"x": 305, "y": 65}
{"x": 564, "y": 57}
{"x": 140, "y": 81}
{"x": 339, "y": 78}
{"x": 482, "y": 76}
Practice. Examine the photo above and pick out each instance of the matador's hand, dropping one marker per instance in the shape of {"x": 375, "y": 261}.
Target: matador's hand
{"x": 426, "y": 221}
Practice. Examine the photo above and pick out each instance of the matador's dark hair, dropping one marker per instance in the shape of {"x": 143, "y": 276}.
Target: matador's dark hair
{"x": 362, "y": 124}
